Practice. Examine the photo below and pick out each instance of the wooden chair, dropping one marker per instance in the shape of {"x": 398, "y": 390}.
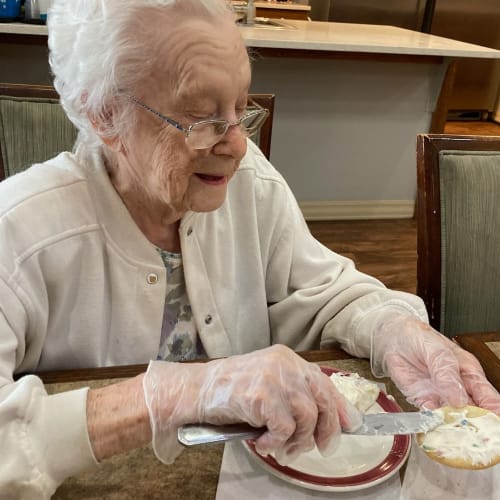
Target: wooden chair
{"x": 264, "y": 137}
{"x": 34, "y": 127}
{"x": 458, "y": 231}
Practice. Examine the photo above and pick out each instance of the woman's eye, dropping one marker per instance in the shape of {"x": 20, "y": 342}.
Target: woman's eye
{"x": 199, "y": 117}
{"x": 199, "y": 114}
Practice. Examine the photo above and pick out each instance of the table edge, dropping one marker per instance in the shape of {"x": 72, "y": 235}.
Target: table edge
{"x": 127, "y": 371}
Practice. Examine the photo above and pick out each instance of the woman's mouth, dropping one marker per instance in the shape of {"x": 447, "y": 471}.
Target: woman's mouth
{"x": 214, "y": 180}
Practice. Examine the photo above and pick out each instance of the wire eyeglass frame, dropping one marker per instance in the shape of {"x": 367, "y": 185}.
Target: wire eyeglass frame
{"x": 209, "y": 132}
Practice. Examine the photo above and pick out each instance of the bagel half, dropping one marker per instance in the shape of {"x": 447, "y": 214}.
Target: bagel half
{"x": 468, "y": 438}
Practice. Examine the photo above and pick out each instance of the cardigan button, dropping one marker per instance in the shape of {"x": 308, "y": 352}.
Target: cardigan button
{"x": 152, "y": 278}
{"x": 208, "y": 319}
{"x": 189, "y": 231}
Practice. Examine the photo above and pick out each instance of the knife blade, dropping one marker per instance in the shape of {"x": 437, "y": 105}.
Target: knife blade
{"x": 375, "y": 424}
{"x": 384, "y": 424}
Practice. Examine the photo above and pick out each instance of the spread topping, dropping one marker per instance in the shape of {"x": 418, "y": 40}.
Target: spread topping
{"x": 473, "y": 439}
{"x": 357, "y": 390}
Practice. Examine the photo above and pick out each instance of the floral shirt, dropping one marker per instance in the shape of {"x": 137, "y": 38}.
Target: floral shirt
{"x": 179, "y": 338}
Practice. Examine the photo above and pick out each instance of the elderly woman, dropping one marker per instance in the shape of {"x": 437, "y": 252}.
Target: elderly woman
{"x": 165, "y": 236}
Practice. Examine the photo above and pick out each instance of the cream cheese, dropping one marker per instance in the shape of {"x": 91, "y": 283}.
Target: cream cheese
{"x": 360, "y": 392}
{"x": 475, "y": 440}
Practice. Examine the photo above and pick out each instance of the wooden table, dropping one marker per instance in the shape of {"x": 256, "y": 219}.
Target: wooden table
{"x": 195, "y": 474}
{"x": 486, "y": 348}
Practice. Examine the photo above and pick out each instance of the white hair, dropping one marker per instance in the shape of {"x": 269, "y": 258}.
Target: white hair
{"x": 93, "y": 55}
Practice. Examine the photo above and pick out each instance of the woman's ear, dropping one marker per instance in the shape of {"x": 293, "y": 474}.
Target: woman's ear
{"x": 102, "y": 124}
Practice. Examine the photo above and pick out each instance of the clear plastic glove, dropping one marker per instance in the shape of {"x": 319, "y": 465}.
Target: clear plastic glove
{"x": 428, "y": 368}
{"x": 272, "y": 387}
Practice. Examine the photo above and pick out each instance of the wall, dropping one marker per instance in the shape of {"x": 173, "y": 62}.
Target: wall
{"x": 24, "y": 63}
{"x": 345, "y": 131}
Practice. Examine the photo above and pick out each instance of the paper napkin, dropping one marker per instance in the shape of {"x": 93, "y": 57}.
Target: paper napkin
{"x": 426, "y": 479}
{"x": 241, "y": 477}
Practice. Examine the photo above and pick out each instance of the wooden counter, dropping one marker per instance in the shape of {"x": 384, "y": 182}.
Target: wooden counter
{"x": 314, "y": 36}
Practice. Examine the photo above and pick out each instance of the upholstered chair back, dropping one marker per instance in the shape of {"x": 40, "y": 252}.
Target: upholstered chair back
{"x": 458, "y": 209}
{"x": 32, "y": 130}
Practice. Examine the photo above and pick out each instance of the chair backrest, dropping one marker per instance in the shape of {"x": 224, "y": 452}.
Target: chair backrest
{"x": 34, "y": 127}
{"x": 458, "y": 231}
{"x": 263, "y": 139}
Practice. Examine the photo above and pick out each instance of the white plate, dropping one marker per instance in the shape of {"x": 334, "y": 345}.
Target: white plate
{"x": 358, "y": 463}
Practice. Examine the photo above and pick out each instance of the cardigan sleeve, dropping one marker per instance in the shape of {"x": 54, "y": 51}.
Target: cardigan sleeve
{"x": 318, "y": 297}
{"x": 43, "y": 437}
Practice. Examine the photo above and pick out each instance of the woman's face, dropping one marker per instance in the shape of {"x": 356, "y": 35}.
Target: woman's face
{"x": 203, "y": 72}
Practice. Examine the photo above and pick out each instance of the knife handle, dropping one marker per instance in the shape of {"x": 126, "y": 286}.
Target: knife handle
{"x": 195, "y": 434}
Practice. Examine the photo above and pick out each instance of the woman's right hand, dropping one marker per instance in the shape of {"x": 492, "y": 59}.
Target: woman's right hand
{"x": 273, "y": 388}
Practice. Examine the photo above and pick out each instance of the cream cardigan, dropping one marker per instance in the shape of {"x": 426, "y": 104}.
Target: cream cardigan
{"x": 80, "y": 286}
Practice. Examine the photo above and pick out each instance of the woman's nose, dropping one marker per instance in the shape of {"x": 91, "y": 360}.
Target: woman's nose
{"x": 233, "y": 143}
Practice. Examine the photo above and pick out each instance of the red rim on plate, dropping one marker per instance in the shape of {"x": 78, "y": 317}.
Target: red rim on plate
{"x": 378, "y": 473}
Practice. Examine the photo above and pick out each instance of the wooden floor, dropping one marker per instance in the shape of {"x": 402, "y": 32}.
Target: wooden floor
{"x": 387, "y": 249}
{"x": 472, "y": 128}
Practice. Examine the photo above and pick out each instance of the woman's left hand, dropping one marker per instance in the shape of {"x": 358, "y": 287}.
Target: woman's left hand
{"x": 428, "y": 368}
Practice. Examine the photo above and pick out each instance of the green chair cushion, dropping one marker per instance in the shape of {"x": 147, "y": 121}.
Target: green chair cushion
{"x": 32, "y": 130}
{"x": 470, "y": 241}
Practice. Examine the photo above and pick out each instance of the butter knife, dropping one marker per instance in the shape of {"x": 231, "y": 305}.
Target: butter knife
{"x": 374, "y": 424}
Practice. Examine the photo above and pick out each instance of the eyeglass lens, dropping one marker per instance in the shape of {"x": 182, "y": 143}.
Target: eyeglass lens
{"x": 205, "y": 135}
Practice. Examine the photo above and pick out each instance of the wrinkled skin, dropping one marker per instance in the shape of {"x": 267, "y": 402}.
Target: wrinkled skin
{"x": 152, "y": 168}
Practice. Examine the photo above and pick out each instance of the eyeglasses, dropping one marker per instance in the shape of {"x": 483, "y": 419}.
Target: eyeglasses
{"x": 204, "y": 134}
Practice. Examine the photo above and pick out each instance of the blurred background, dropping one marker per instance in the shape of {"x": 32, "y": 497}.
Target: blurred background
{"x": 476, "y": 92}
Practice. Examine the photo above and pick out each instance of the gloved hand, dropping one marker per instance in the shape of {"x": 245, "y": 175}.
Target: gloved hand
{"x": 428, "y": 368}
{"x": 272, "y": 387}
